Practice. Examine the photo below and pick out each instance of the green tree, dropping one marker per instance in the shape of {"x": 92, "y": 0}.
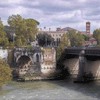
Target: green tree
{"x": 26, "y": 28}
{"x": 63, "y": 43}
{"x": 96, "y": 35}
{"x": 76, "y": 39}
{"x": 3, "y": 37}
{"x": 16, "y": 22}
{"x": 44, "y": 39}
{"x": 18, "y": 42}
{"x": 86, "y": 37}
{"x": 9, "y": 31}
{"x": 31, "y": 29}
{"x": 5, "y": 42}
{"x": 11, "y": 45}
{"x": 5, "y": 73}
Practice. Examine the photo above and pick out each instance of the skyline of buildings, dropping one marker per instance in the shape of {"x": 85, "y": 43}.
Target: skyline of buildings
{"x": 58, "y": 33}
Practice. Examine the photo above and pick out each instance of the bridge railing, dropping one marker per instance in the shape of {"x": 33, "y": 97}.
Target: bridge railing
{"x": 73, "y": 50}
{"x": 94, "y": 51}
{"x": 88, "y": 50}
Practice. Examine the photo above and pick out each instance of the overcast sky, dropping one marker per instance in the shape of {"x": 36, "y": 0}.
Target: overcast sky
{"x": 54, "y": 13}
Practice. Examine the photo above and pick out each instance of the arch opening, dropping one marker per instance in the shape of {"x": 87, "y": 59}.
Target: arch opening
{"x": 23, "y": 60}
{"x": 24, "y": 64}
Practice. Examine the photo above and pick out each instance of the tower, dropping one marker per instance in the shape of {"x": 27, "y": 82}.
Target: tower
{"x": 87, "y": 27}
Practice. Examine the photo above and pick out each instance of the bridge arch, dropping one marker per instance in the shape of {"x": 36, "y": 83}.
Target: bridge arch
{"x": 24, "y": 57}
{"x": 24, "y": 64}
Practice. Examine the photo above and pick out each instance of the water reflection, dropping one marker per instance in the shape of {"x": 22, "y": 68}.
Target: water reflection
{"x": 51, "y": 90}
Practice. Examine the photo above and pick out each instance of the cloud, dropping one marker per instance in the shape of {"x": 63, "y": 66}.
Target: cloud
{"x": 73, "y": 13}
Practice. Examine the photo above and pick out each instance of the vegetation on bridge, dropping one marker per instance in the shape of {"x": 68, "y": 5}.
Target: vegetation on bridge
{"x": 64, "y": 43}
{"x": 5, "y": 73}
{"x": 72, "y": 39}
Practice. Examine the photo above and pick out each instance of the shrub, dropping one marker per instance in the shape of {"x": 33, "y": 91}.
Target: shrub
{"x": 5, "y": 73}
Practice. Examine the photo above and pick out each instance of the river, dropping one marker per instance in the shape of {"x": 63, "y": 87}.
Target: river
{"x": 50, "y": 90}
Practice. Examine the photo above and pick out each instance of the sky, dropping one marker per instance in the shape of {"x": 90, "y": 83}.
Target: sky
{"x": 54, "y": 13}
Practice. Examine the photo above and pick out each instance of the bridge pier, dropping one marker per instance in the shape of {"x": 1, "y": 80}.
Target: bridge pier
{"x": 82, "y": 66}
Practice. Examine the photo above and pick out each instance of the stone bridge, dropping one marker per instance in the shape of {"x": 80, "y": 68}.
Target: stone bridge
{"x": 28, "y": 60}
{"x": 82, "y": 62}
{"x": 35, "y": 61}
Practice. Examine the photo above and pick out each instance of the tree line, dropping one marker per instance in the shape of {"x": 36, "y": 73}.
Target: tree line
{"x": 21, "y": 31}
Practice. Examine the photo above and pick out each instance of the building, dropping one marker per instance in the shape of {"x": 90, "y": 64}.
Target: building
{"x": 93, "y": 41}
{"x": 56, "y": 35}
{"x": 87, "y": 28}
{"x": 48, "y": 66}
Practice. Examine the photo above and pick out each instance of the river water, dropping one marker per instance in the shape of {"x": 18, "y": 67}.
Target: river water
{"x": 50, "y": 90}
